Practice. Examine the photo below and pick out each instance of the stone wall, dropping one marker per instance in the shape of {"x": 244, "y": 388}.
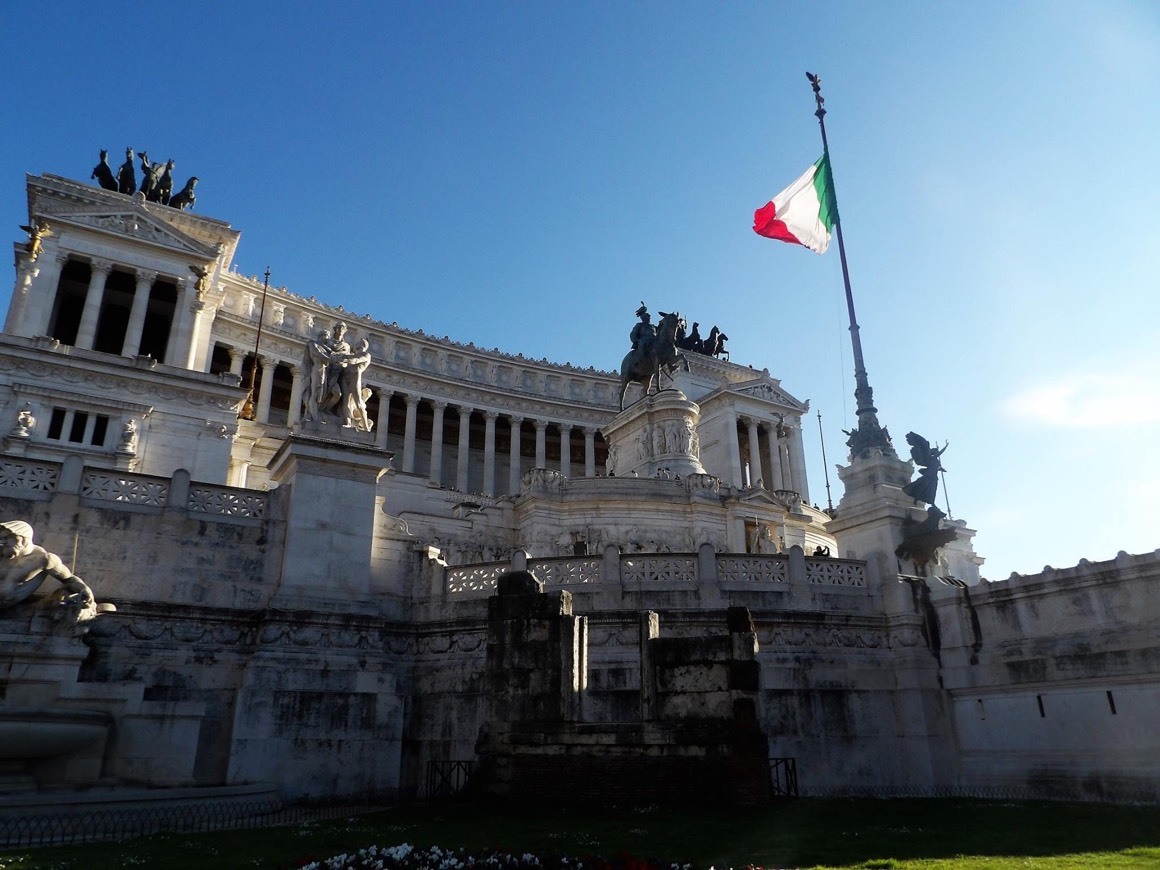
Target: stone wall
{"x": 1054, "y": 679}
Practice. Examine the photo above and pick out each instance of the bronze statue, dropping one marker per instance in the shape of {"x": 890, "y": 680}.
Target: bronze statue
{"x": 150, "y": 177}
{"x": 925, "y": 486}
{"x": 921, "y": 541}
{"x": 654, "y": 350}
{"x": 103, "y": 173}
{"x": 184, "y": 198}
{"x": 165, "y": 184}
{"x": 126, "y": 177}
{"x": 37, "y": 233}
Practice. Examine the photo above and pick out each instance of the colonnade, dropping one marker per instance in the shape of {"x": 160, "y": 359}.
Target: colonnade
{"x": 39, "y": 308}
{"x": 773, "y": 454}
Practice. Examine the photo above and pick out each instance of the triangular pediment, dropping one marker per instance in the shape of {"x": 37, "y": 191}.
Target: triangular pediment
{"x": 134, "y": 222}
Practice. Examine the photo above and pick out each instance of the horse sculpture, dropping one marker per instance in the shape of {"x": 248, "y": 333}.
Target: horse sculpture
{"x": 659, "y": 353}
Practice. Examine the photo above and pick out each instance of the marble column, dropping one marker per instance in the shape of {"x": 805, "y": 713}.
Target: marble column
{"x": 409, "y": 433}
{"x": 265, "y": 388}
{"x": 464, "y": 448}
{"x": 775, "y": 469}
{"x": 87, "y": 331}
{"x": 754, "y": 452}
{"x": 437, "y": 443}
{"x": 237, "y": 359}
{"x": 489, "y": 418}
{"x": 132, "y": 343}
{"x": 383, "y": 418}
{"x": 197, "y": 351}
{"x": 565, "y": 450}
{"x": 181, "y": 328}
{"x": 589, "y": 451}
{"x": 797, "y": 463}
{"x": 541, "y": 443}
{"x": 296, "y": 385}
{"x": 43, "y": 286}
{"x": 25, "y": 275}
{"x": 514, "y": 456}
{"x": 733, "y": 447}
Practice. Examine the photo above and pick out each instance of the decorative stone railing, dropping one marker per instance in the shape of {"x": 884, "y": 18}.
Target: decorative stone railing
{"x": 566, "y": 571}
{"x": 836, "y": 572}
{"x": 661, "y": 571}
{"x": 227, "y": 501}
{"x": 29, "y": 476}
{"x": 761, "y": 569}
{"x": 125, "y": 488}
{"x": 119, "y": 489}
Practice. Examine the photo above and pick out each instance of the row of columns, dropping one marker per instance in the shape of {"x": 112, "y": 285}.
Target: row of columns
{"x": 268, "y": 364}
{"x": 45, "y": 272}
{"x": 786, "y": 457}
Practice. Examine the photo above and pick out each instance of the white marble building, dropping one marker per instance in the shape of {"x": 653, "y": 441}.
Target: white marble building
{"x": 306, "y": 607}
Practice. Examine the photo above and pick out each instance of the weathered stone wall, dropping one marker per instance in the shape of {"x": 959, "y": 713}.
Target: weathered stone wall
{"x": 1054, "y": 679}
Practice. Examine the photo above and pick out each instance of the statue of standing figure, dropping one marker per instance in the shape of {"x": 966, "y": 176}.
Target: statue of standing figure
{"x": 334, "y": 380}
{"x": 925, "y": 486}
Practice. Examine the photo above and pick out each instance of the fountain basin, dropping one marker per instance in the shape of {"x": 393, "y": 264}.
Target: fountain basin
{"x": 31, "y": 733}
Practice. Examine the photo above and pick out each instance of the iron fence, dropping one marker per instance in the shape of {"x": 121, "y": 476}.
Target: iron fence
{"x": 447, "y": 778}
{"x": 783, "y": 777}
{"x": 23, "y": 831}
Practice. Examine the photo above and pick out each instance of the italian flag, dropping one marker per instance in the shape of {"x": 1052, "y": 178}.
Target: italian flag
{"x": 804, "y": 213}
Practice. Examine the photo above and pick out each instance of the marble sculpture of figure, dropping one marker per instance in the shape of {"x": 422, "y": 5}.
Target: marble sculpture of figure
{"x": 24, "y": 567}
{"x": 354, "y": 394}
{"x": 315, "y": 365}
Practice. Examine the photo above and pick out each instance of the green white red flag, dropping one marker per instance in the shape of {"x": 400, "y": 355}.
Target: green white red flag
{"x": 804, "y": 213}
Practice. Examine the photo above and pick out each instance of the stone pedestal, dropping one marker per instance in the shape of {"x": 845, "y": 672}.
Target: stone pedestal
{"x": 330, "y": 516}
{"x": 657, "y": 433}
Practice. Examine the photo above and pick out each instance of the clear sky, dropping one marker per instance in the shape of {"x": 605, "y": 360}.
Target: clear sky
{"x": 523, "y": 175}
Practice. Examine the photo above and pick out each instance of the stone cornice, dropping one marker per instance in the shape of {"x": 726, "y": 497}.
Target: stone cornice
{"x": 111, "y": 379}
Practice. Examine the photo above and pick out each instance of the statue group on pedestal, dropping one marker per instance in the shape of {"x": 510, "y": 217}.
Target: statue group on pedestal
{"x": 654, "y": 350}
{"x": 334, "y": 380}
{"x": 156, "y": 180}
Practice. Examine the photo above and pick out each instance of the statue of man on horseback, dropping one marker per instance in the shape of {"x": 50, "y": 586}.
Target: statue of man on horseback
{"x": 654, "y": 350}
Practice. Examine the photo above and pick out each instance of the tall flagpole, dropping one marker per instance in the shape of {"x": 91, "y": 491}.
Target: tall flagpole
{"x": 869, "y": 435}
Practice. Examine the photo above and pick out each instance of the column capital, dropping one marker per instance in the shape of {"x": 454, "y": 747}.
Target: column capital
{"x": 235, "y": 353}
{"x": 295, "y": 370}
{"x": 145, "y": 276}
{"x": 566, "y": 427}
{"x": 465, "y": 410}
{"x": 590, "y": 431}
{"x": 385, "y": 393}
{"x": 412, "y": 400}
{"x": 490, "y": 416}
{"x": 98, "y": 265}
{"x": 516, "y": 419}
{"x": 439, "y": 404}
{"x": 541, "y": 425}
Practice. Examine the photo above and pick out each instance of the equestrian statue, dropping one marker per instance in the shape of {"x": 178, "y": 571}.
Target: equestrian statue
{"x": 654, "y": 350}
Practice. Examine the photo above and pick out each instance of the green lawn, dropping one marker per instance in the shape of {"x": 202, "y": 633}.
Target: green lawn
{"x": 805, "y": 833}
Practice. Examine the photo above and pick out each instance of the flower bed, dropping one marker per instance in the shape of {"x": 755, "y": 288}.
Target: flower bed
{"x": 407, "y": 857}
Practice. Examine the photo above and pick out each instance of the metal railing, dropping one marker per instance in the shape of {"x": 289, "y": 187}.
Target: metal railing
{"x": 447, "y": 778}
{"x": 783, "y": 777}
{"x": 23, "y": 831}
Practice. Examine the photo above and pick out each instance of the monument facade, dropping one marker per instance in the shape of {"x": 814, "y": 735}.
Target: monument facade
{"x": 301, "y": 572}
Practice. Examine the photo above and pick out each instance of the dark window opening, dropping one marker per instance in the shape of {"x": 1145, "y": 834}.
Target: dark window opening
{"x": 100, "y": 429}
{"x": 159, "y": 318}
{"x": 76, "y": 433}
{"x": 70, "y": 302}
{"x": 56, "y": 424}
{"x": 219, "y": 361}
{"x": 280, "y": 394}
{"x": 113, "y": 320}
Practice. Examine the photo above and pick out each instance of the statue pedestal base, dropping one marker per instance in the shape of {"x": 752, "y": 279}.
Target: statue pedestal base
{"x": 657, "y": 434}
{"x": 330, "y": 514}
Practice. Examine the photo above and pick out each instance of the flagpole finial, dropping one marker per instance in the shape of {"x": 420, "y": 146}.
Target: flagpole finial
{"x": 816, "y": 84}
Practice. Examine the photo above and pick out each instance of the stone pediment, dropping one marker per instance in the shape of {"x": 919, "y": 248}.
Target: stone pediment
{"x": 134, "y": 222}
{"x": 769, "y": 390}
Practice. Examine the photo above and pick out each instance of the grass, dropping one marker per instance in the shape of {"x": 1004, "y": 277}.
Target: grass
{"x": 868, "y": 834}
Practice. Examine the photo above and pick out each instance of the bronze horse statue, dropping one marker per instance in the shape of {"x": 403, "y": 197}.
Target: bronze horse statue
{"x": 644, "y": 365}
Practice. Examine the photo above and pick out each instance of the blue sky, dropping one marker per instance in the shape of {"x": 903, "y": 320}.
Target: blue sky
{"x": 522, "y": 175}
